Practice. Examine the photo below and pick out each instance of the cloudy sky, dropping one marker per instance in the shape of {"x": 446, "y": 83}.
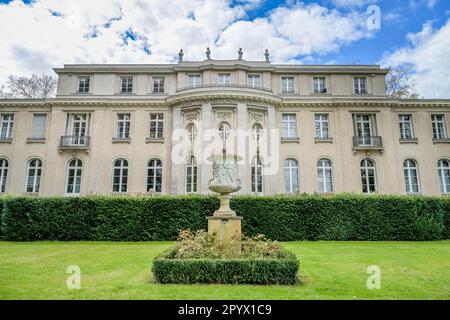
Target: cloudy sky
{"x": 36, "y": 36}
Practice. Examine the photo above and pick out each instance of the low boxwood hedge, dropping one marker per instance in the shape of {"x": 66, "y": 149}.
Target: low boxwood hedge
{"x": 226, "y": 271}
{"x": 446, "y": 232}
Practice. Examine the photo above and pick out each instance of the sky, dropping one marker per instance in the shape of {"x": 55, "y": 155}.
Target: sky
{"x": 38, "y": 35}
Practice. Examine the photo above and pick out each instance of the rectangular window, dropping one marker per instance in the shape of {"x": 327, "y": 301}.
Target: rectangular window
{"x": 158, "y": 84}
{"x": 223, "y": 79}
{"x": 156, "y": 125}
{"x": 6, "y": 125}
{"x": 77, "y": 129}
{"x": 287, "y": 84}
{"x": 319, "y": 84}
{"x": 360, "y": 85}
{"x": 123, "y": 125}
{"x": 406, "y": 128}
{"x": 289, "y": 125}
{"x": 38, "y": 126}
{"x": 194, "y": 80}
{"x": 438, "y": 122}
{"x": 126, "y": 84}
{"x": 254, "y": 81}
{"x": 83, "y": 84}
{"x": 321, "y": 125}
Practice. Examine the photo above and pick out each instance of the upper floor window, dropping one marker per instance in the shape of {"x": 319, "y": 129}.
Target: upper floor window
{"x": 411, "y": 176}
{"x": 73, "y": 180}
{"x": 257, "y": 132}
{"x": 38, "y": 125}
{"x": 368, "y": 177}
{"x": 158, "y": 84}
{"x": 77, "y": 128}
{"x": 443, "y": 167}
{"x": 194, "y": 80}
{"x": 365, "y": 129}
{"x": 120, "y": 175}
{"x": 126, "y": 84}
{"x": 287, "y": 84}
{"x": 191, "y": 175}
{"x": 438, "y": 123}
{"x": 224, "y": 79}
{"x": 154, "y": 175}
{"x": 191, "y": 132}
{"x": 291, "y": 184}
{"x": 321, "y": 125}
{"x": 6, "y": 125}
{"x": 156, "y": 125}
{"x": 254, "y": 80}
{"x": 406, "y": 127}
{"x": 289, "y": 125}
{"x": 257, "y": 178}
{"x": 84, "y": 84}
{"x": 224, "y": 131}
{"x": 3, "y": 174}
{"x": 360, "y": 85}
{"x": 34, "y": 175}
{"x": 319, "y": 84}
{"x": 324, "y": 175}
{"x": 123, "y": 125}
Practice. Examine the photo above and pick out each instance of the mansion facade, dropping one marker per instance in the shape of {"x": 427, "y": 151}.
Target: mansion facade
{"x": 148, "y": 129}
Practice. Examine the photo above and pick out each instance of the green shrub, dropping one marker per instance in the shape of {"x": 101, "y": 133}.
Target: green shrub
{"x": 446, "y": 231}
{"x": 1, "y": 210}
{"x": 232, "y": 271}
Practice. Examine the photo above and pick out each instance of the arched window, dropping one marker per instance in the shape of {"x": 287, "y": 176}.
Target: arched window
{"x": 191, "y": 175}
{"x": 257, "y": 180}
{"x": 257, "y": 132}
{"x": 191, "y": 132}
{"x": 154, "y": 175}
{"x": 224, "y": 131}
{"x": 291, "y": 175}
{"x": 3, "y": 174}
{"x": 120, "y": 175}
{"x": 73, "y": 181}
{"x": 411, "y": 176}
{"x": 324, "y": 175}
{"x": 444, "y": 175}
{"x": 34, "y": 175}
{"x": 368, "y": 177}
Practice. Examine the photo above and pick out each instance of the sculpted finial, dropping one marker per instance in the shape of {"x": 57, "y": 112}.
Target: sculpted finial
{"x": 240, "y": 53}
{"x": 180, "y": 55}
{"x": 266, "y": 55}
{"x": 208, "y": 53}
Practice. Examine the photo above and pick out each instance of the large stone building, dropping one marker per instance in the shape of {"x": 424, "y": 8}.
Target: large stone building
{"x": 141, "y": 129}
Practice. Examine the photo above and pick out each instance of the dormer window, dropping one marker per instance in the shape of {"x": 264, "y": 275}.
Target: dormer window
{"x": 126, "y": 84}
{"x": 254, "y": 81}
{"x": 319, "y": 84}
{"x": 223, "y": 79}
{"x": 360, "y": 85}
{"x": 158, "y": 84}
{"x": 194, "y": 80}
{"x": 287, "y": 84}
{"x": 83, "y": 84}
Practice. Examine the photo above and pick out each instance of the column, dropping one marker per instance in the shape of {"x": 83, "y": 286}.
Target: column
{"x": 242, "y": 147}
{"x": 175, "y": 187}
{"x": 272, "y": 180}
{"x": 205, "y": 169}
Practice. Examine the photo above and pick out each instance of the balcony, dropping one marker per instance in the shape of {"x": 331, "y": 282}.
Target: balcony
{"x": 367, "y": 143}
{"x": 74, "y": 143}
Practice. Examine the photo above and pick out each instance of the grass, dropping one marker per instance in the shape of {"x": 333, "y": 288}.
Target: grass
{"x": 328, "y": 270}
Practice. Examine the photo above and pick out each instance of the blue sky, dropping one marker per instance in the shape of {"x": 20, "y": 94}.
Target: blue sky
{"x": 41, "y": 34}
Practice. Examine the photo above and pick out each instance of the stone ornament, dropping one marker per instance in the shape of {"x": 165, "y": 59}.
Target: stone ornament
{"x": 180, "y": 55}
{"x": 208, "y": 54}
{"x": 223, "y": 115}
{"x": 240, "y": 53}
{"x": 266, "y": 55}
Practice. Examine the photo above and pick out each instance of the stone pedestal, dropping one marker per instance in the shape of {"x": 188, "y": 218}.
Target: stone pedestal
{"x": 227, "y": 233}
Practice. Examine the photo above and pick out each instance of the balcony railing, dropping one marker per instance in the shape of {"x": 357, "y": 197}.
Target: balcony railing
{"x": 224, "y": 85}
{"x": 74, "y": 142}
{"x": 367, "y": 142}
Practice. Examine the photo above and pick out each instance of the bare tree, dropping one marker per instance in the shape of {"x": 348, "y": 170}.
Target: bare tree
{"x": 4, "y": 93}
{"x": 400, "y": 84}
{"x": 35, "y": 87}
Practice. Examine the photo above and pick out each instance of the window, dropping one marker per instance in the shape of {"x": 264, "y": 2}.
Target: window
{"x": 438, "y": 122}
{"x": 158, "y": 84}
{"x": 256, "y": 170}
{"x": 191, "y": 132}
{"x": 38, "y": 126}
{"x": 6, "y": 126}
{"x": 77, "y": 128}
{"x": 191, "y": 175}
{"x": 321, "y": 125}
{"x": 287, "y": 84}
{"x": 444, "y": 175}
{"x": 126, "y": 84}
{"x": 73, "y": 182}
{"x": 120, "y": 175}
{"x": 156, "y": 125}
{"x": 360, "y": 85}
{"x": 3, "y": 174}
{"x": 123, "y": 125}
{"x": 365, "y": 129}
{"x": 406, "y": 128}
{"x": 291, "y": 175}
{"x": 411, "y": 176}
{"x": 194, "y": 80}
{"x": 254, "y": 80}
{"x": 324, "y": 175}
{"x": 83, "y": 84}
{"x": 368, "y": 177}
{"x": 34, "y": 175}
{"x": 319, "y": 85}
{"x": 154, "y": 175}
{"x": 223, "y": 79}
{"x": 257, "y": 132}
{"x": 289, "y": 125}
{"x": 224, "y": 131}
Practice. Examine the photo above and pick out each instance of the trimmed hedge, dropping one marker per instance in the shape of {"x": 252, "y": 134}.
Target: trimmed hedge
{"x": 230, "y": 271}
{"x": 283, "y": 218}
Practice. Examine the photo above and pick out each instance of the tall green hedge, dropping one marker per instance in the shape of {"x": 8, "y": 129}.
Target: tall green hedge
{"x": 284, "y": 218}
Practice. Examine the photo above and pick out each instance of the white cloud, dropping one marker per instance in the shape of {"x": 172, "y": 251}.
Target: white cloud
{"x": 416, "y": 4}
{"x": 50, "y": 33}
{"x": 352, "y": 3}
{"x": 428, "y": 54}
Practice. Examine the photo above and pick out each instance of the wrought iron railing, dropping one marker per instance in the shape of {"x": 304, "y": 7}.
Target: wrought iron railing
{"x": 367, "y": 142}
{"x": 78, "y": 142}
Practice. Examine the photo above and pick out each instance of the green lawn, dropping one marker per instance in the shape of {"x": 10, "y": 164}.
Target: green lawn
{"x": 328, "y": 270}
